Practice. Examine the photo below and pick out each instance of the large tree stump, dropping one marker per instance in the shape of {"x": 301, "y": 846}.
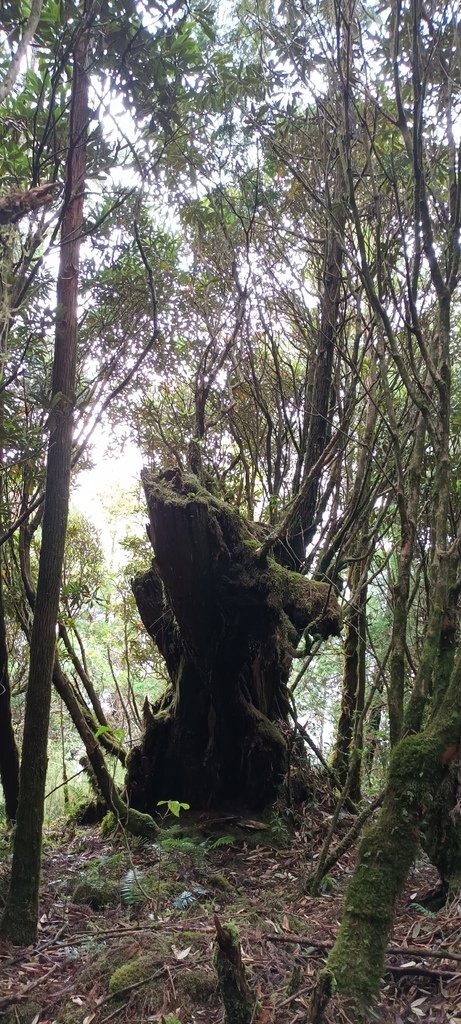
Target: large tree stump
{"x": 227, "y": 625}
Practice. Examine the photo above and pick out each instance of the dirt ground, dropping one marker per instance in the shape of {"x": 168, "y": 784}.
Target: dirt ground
{"x": 127, "y": 930}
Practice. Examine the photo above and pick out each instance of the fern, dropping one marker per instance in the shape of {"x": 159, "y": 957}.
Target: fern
{"x": 131, "y": 891}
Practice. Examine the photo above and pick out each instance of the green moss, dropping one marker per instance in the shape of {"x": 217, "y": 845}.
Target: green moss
{"x": 220, "y": 882}
{"x": 103, "y": 965}
{"x": 21, "y": 1013}
{"x": 96, "y": 894}
{"x": 70, "y": 1014}
{"x": 189, "y": 937}
{"x": 108, "y": 825}
{"x": 199, "y": 986}
{"x": 239, "y": 1001}
{"x": 137, "y": 970}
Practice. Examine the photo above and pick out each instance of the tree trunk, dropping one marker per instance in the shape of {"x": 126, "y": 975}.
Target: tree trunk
{"x": 418, "y": 767}
{"x": 239, "y": 1001}
{"x": 9, "y": 755}
{"x": 19, "y": 922}
{"x": 136, "y": 823}
{"x": 350, "y": 727}
{"x": 227, "y": 625}
{"x": 319, "y": 429}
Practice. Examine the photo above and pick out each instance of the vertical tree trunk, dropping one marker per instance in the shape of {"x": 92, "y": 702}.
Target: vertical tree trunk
{"x": 9, "y": 756}
{"x": 302, "y": 529}
{"x": 353, "y": 685}
{"x": 19, "y": 922}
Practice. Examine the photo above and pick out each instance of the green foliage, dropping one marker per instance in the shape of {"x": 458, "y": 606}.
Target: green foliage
{"x": 173, "y": 806}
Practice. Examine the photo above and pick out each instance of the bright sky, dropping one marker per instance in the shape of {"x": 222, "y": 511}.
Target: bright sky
{"x": 101, "y": 489}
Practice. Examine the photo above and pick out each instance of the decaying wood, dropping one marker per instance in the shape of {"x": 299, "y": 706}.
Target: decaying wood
{"x": 239, "y": 1001}
{"x": 227, "y": 626}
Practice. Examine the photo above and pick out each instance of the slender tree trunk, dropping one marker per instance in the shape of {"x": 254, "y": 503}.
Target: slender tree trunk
{"x": 9, "y": 755}
{"x": 19, "y": 922}
{"x": 408, "y": 519}
{"x": 353, "y": 685}
{"x": 135, "y": 822}
{"x": 302, "y": 529}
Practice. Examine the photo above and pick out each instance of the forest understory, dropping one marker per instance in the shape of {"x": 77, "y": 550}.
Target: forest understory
{"x": 127, "y": 928}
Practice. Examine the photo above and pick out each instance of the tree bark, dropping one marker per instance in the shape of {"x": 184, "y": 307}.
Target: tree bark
{"x": 418, "y": 767}
{"x": 9, "y": 79}
{"x": 19, "y": 922}
{"x": 9, "y": 755}
{"x": 239, "y": 1001}
{"x": 227, "y": 626}
{"x": 134, "y": 822}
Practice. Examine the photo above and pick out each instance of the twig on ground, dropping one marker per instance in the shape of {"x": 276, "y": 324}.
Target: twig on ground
{"x": 16, "y": 997}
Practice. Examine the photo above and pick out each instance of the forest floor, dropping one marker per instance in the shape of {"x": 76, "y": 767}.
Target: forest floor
{"x": 127, "y": 929}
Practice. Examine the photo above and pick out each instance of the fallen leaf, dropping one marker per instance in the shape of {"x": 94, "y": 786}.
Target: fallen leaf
{"x": 180, "y": 954}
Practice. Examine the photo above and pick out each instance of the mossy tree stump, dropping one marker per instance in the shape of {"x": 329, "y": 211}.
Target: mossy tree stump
{"x": 239, "y": 1001}
{"x": 226, "y": 622}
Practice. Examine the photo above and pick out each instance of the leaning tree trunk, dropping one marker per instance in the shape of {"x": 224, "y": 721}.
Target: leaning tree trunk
{"x": 226, "y": 624}
{"x": 417, "y": 771}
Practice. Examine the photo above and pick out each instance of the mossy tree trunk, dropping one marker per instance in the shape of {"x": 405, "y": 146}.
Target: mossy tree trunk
{"x": 239, "y": 1001}
{"x": 134, "y": 822}
{"x": 226, "y": 624}
{"x": 417, "y": 770}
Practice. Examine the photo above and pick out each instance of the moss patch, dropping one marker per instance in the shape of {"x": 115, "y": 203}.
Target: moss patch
{"x": 141, "y": 971}
{"x": 220, "y": 882}
{"x": 21, "y": 1014}
{"x": 198, "y": 986}
{"x": 96, "y": 894}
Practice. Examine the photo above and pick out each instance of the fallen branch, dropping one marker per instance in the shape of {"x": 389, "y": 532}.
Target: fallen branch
{"x": 420, "y": 951}
{"x": 342, "y": 847}
{"x": 17, "y": 997}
